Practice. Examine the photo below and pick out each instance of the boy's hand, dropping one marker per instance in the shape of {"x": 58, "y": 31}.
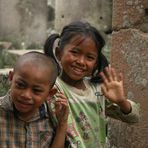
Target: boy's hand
{"x": 112, "y": 87}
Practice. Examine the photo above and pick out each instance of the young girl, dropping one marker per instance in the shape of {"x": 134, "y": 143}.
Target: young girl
{"x": 93, "y": 89}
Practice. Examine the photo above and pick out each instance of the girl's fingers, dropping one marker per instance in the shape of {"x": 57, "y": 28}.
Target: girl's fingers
{"x": 62, "y": 96}
{"x": 62, "y": 109}
{"x": 61, "y": 100}
{"x": 63, "y": 104}
{"x": 113, "y": 73}
{"x": 108, "y": 73}
{"x": 104, "y": 78}
{"x": 60, "y": 103}
{"x": 63, "y": 113}
{"x": 120, "y": 77}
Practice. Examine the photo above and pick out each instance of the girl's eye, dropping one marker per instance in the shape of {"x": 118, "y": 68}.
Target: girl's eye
{"x": 74, "y": 51}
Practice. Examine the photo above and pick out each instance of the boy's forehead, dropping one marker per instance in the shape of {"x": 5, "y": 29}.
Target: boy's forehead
{"x": 34, "y": 57}
{"x": 37, "y": 62}
{"x": 31, "y": 72}
{"x": 41, "y": 64}
{"x": 38, "y": 66}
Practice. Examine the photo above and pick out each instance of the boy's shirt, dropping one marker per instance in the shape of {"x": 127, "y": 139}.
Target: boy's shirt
{"x": 16, "y": 133}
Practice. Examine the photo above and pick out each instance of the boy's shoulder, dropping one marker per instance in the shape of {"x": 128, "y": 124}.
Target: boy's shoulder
{"x": 6, "y": 112}
{"x": 1, "y": 99}
{"x": 5, "y": 102}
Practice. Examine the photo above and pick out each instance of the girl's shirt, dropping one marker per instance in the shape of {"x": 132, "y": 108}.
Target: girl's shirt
{"x": 86, "y": 122}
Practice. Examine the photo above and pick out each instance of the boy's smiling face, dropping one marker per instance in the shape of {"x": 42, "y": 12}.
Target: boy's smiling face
{"x": 30, "y": 88}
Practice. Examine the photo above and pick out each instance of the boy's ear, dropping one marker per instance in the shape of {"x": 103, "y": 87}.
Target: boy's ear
{"x": 10, "y": 75}
{"x": 53, "y": 91}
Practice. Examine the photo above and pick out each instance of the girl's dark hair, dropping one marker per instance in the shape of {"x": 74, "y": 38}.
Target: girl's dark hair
{"x": 48, "y": 48}
{"x": 86, "y": 30}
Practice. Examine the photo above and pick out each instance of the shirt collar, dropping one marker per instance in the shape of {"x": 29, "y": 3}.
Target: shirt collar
{"x": 7, "y": 104}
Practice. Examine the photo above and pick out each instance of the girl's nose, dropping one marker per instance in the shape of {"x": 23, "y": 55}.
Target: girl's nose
{"x": 81, "y": 60}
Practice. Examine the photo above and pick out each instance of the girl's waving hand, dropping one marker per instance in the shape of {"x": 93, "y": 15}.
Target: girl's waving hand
{"x": 112, "y": 88}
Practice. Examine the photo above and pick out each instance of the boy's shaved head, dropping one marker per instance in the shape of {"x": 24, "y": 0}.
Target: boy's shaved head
{"x": 40, "y": 61}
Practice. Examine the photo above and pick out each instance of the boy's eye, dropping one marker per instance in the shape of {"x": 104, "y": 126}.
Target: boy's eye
{"x": 20, "y": 84}
{"x": 91, "y": 58}
{"x": 37, "y": 91}
{"x": 74, "y": 51}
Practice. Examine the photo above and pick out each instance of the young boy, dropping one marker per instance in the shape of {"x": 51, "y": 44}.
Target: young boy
{"x": 24, "y": 115}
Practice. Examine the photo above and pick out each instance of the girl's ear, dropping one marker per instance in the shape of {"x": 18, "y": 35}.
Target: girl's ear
{"x": 58, "y": 53}
{"x": 10, "y": 75}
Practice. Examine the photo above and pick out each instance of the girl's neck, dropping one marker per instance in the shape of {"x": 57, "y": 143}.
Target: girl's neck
{"x": 79, "y": 84}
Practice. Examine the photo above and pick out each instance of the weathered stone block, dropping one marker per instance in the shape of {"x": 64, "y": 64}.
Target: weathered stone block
{"x": 5, "y": 45}
{"x": 129, "y": 55}
{"x": 130, "y": 14}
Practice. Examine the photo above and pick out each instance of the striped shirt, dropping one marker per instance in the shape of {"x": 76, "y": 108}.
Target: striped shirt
{"x": 16, "y": 133}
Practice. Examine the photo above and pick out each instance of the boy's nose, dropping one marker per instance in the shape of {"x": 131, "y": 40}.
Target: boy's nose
{"x": 27, "y": 94}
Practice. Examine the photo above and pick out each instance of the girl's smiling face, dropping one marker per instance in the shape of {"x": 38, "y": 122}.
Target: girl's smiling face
{"x": 78, "y": 58}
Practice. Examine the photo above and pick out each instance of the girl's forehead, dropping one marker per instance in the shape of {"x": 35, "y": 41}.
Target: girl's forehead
{"x": 78, "y": 39}
{"x": 84, "y": 44}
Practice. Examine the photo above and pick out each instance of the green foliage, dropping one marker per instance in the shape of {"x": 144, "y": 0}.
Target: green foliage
{"x": 6, "y": 59}
{"x": 4, "y": 84}
{"x": 16, "y": 43}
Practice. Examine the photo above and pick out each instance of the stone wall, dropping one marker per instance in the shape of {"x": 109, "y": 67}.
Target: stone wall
{"x": 129, "y": 55}
{"x": 23, "y": 21}
{"x": 97, "y": 12}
